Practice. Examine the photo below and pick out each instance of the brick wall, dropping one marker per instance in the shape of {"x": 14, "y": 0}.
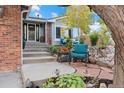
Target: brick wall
{"x": 10, "y": 38}
{"x": 49, "y": 33}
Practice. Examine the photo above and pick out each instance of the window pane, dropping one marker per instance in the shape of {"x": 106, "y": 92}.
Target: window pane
{"x": 58, "y": 32}
{"x": 31, "y": 28}
{"x": 70, "y": 34}
{"x": 42, "y": 32}
{"x": 37, "y": 32}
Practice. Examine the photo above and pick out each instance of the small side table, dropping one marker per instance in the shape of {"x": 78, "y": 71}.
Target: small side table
{"x": 63, "y": 53}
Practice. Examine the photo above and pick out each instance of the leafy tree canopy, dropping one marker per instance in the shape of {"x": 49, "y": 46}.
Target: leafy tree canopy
{"x": 78, "y": 16}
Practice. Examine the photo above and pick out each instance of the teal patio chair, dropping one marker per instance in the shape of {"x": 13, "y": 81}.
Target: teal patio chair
{"x": 75, "y": 42}
{"x": 80, "y": 51}
{"x": 62, "y": 41}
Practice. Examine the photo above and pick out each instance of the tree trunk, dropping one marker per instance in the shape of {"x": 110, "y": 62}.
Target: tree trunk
{"x": 114, "y": 19}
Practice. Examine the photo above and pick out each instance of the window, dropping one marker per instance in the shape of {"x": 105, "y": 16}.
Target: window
{"x": 70, "y": 33}
{"x": 37, "y": 32}
{"x": 58, "y": 32}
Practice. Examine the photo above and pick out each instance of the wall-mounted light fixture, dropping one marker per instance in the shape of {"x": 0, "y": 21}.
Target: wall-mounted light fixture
{"x": 1, "y": 10}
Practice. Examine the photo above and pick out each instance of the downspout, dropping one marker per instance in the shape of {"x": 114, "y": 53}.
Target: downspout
{"x": 22, "y": 34}
{"x": 21, "y": 38}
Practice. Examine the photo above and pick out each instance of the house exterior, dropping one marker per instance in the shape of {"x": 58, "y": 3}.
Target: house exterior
{"x": 47, "y": 31}
{"x": 15, "y": 23}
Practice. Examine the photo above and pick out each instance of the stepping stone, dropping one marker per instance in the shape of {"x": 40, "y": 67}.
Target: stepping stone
{"x": 107, "y": 70}
{"x": 106, "y": 75}
{"x": 102, "y": 85}
{"x": 93, "y": 66}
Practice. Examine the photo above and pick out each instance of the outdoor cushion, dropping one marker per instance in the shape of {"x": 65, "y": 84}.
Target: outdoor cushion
{"x": 80, "y": 48}
{"x": 76, "y": 55}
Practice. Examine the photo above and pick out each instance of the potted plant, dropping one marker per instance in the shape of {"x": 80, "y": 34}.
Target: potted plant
{"x": 63, "y": 49}
{"x": 94, "y": 36}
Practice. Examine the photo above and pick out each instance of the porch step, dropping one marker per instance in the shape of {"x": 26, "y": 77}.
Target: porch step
{"x": 42, "y": 59}
{"x": 37, "y": 46}
{"x": 35, "y": 49}
{"x": 35, "y": 54}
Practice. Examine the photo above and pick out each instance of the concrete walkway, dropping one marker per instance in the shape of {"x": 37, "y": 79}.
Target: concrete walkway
{"x": 10, "y": 80}
{"x": 41, "y": 71}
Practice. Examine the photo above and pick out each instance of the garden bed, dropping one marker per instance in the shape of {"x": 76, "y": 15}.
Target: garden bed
{"x": 90, "y": 82}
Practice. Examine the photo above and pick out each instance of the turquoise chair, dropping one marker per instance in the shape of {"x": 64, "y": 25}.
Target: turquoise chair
{"x": 62, "y": 41}
{"x": 80, "y": 51}
{"x": 75, "y": 42}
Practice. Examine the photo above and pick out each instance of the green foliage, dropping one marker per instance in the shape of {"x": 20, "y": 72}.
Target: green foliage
{"x": 54, "y": 48}
{"x": 78, "y": 16}
{"x": 104, "y": 28}
{"x": 103, "y": 36}
{"x": 68, "y": 42}
{"x": 81, "y": 40}
{"x": 65, "y": 81}
{"x": 105, "y": 39}
{"x": 94, "y": 37}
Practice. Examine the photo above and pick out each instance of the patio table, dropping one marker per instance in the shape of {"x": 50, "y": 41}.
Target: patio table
{"x": 60, "y": 54}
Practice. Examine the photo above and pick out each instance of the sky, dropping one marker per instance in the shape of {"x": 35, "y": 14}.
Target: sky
{"x": 52, "y": 11}
{"x": 47, "y": 11}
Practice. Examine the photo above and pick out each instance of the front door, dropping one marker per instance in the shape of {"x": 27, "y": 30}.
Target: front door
{"x": 31, "y": 32}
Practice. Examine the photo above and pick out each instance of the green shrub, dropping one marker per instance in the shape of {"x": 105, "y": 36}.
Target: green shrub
{"x": 94, "y": 36}
{"x": 54, "y": 48}
{"x": 105, "y": 40}
{"x": 68, "y": 42}
{"x": 81, "y": 40}
{"x": 65, "y": 81}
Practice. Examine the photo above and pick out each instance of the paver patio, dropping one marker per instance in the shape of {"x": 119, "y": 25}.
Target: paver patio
{"x": 93, "y": 70}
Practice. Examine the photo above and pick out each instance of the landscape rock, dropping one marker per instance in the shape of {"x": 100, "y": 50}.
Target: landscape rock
{"x": 89, "y": 85}
{"x": 103, "y": 85}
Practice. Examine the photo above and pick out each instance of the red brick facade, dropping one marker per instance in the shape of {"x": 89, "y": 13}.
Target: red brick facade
{"x": 10, "y": 38}
{"x": 49, "y": 33}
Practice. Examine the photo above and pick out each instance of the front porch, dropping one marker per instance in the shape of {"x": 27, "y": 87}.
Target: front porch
{"x": 37, "y": 30}
{"x": 38, "y": 64}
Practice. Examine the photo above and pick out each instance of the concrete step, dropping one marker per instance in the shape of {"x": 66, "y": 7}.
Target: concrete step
{"x": 43, "y": 50}
{"x": 36, "y": 46}
{"x": 28, "y": 60}
{"x": 35, "y": 54}
{"x": 34, "y": 49}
